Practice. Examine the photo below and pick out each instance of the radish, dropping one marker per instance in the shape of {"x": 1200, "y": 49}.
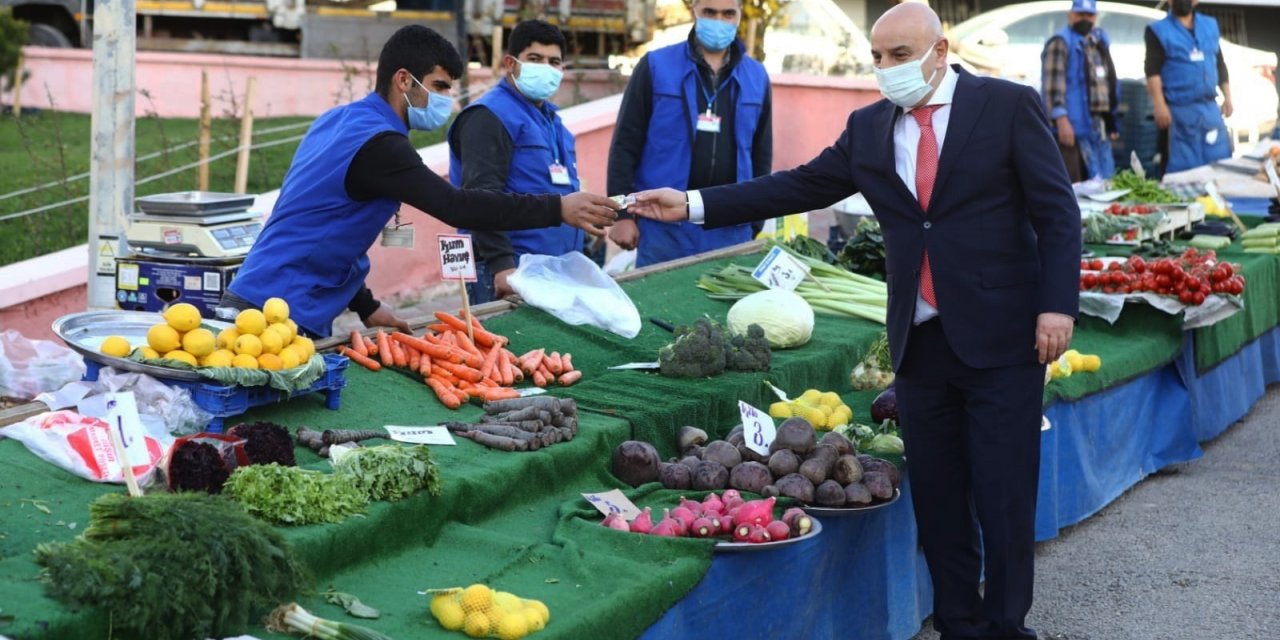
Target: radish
{"x": 713, "y": 501}
{"x": 798, "y": 521}
{"x": 668, "y": 527}
{"x": 702, "y": 528}
{"x": 731, "y": 494}
{"x": 757, "y": 535}
{"x": 778, "y": 530}
{"x": 730, "y": 505}
{"x": 757, "y": 512}
{"x": 726, "y": 525}
{"x": 684, "y": 516}
{"x": 694, "y": 507}
{"x": 643, "y": 522}
{"x": 615, "y": 521}
{"x": 741, "y": 532}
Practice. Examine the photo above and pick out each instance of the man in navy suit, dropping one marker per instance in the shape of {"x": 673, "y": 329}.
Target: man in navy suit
{"x": 982, "y": 241}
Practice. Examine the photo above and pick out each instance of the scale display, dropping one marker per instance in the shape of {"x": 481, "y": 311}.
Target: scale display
{"x": 211, "y": 225}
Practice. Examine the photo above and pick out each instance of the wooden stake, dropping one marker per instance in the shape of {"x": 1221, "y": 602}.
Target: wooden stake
{"x": 205, "y": 132}
{"x": 17, "y": 87}
{"x": 495, "y": 55}
{"x": 466, "y": 309}
{"x": 246, "y": 137}
{"x": 126, "y": 467}
{"x": 752, "y": 26}
{"x": 818, "y": 282}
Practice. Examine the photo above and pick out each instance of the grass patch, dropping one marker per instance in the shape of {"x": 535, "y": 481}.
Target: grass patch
{"x": 54, "y": 147}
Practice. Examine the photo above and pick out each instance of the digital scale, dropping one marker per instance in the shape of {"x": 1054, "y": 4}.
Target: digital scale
{"x": 195, "y": 223}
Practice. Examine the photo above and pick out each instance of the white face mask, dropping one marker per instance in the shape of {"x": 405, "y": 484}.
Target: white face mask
{"x": 904, "y": 85}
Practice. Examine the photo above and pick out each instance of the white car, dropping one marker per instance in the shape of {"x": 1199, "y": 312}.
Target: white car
{"x": 1007, "y": 42}
{"x": 816, "y": 37}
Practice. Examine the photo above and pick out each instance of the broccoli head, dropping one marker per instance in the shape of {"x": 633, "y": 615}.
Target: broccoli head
{"x": 750, "y": 352}
{"x": 699, "y": 351}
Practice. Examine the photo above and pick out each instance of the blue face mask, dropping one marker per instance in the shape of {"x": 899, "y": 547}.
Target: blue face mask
{"x": 715, "y": 35}
{"x": 432, "y": 115}
{"x": 538, "y": 81}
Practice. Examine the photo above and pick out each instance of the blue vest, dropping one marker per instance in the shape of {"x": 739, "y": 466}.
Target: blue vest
{"x": 668, "y": 156}
{"x": 312, "y": 251}
{"x": 532, "y": 135}
{"x": 1190, "y": 89}
{"x": 1077, "y": 73}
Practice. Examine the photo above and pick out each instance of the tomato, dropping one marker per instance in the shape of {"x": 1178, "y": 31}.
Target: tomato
{"x": 1185, "y": 297}
{"x": 1095, "y": 264}
{"x": 1108, "y": 289}
{"x": 1114, "y": 266}
{"x": 1198, "y": 298}
{"x": 1089, "y": 280}
{"x": 1084, "y": 265}
{"x": 1237, "y": 288}
{"x": 1226, "y": 268}
{"x": 1138, "y": 264}
{"x": 1163, "y": 280}
{"x": 1115, "y": 209}
{"x": 1193, "y": 285}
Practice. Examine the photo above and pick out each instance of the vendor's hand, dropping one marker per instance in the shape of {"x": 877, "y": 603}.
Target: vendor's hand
{"x": 501, "y": 288}
{"x": 1227, "y": 108}
{"x": 1114, "y": 135}
{"x": 663, "y": 205}
{"x": 1053, "y": 335}
{"x": 625, "y": 233}
{"x": 589, "y": 212}
{"x": 385, "y": 317}
{"x": 1163, "y": 117}
{"x": 1066, "y": 133}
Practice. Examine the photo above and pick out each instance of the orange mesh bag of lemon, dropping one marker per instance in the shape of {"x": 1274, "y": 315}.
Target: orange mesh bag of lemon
{"x": 481, "y": 612}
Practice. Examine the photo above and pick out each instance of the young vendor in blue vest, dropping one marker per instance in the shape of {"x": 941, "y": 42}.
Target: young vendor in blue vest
{"x": 1078, "y": 84}
{"x": 1184, "y": 69}
{"x": 348, "y": 178}
{"x": 512, "y": 140}
{"x": 694, "y": 115}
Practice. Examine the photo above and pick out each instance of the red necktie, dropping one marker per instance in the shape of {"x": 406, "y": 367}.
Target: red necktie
{"x": 926, "y": 173}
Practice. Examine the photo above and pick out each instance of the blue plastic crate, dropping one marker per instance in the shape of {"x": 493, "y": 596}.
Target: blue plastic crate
{"x": 225, "y": 401}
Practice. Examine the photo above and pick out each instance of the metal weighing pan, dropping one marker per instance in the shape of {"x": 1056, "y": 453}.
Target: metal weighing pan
{"x": 741, "y": 547}
{"x": 194, "y": 203}
{"x": 85, "y": 331}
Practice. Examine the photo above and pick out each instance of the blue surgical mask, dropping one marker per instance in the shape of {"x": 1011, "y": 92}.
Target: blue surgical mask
{"x": 904, "y": 85}
{"x": 538, "y": 81}
{"x": 432, "y": 115}
{"x": 715, "y": 35}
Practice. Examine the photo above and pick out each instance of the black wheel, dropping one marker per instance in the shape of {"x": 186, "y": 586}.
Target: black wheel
{"x": 43, "y": 35}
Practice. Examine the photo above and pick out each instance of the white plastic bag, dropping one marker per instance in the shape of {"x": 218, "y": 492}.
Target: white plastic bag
{"x": 30, "y": 367}
{"x": 82, "y": 445}
{"x": 162, "y": 408}
{"x": 572, "y": 288}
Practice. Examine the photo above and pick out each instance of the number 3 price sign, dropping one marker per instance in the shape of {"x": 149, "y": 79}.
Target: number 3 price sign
{"x": 757, "y": 428}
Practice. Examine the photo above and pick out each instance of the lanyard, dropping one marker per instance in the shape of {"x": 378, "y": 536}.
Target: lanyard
{"x": 711, "y": 97}
{"x": 552, "y": 138}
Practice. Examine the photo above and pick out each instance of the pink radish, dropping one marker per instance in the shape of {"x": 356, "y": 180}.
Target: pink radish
{"x": 615, "y": 521}
{"x": 731, "y": 494}
{"x": 757, "y": 512}
{"x": 757, "y": 535}
{"x": 702, "y": 528}
{"x": 798, "y": 521}
{"x": 694, "y": 507}
{"x": 668, "y": 527}
{"x": 643, "y": 522}
{"x": 741, "y": 532}
{"x": 712, "y": 501}
{"x": 778, "y": 530}
{"x": 726, "y": 525}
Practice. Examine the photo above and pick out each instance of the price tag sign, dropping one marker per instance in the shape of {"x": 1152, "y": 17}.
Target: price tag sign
{"x": 757, "y": 428}
{"x": 613, "y": 502}
{"x": 780, "y": 270}
{"x": 1136, "y": 164}
{"x": 635, "y": 365}
{"x": 420, "y": 435}
{"x": 457, "y": 260}
{"x": 122, "y": 417}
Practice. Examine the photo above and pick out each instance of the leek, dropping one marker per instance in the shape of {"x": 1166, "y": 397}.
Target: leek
{"x": 293, "y": 618}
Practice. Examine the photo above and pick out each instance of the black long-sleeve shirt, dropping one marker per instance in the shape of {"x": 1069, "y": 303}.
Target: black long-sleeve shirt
{"x": 1154, "y": 64}
{"x": 387, "y": 166}
{"x": 714, "y": 155}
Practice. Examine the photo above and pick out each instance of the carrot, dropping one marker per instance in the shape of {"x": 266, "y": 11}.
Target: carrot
{"x": 438, "y": 372}
{"x": 415, "y": 358}
{"x": 531, "y": 360}
{"x": 491, "y": 360}
{"x": 567, "y": 361}
{"x": 499, "y": 393}
{"x": 461, "y": 372}
{"x": 360, "y": 358}
{"x": 475, "y": 322}
{"x": 466, "y": 344}
{"x": 439, "y": 327}
{"x": 370, "y": 345}
{"x": 444, "y": 392}
{"x": 424, "y": 365}
{"x": 569, "y": 378}
{"x": 539, "y": 379}
{"x": 438, "y": 351}
{"x": 553, "y": 363}
{"x": 384, "y": 349}
{"x": 400, "y": 355}
{"x": 487, "y": 383}
{"x": 357, "y": 344}
{"x": 504, "y": 369}
{"x": 483, "y": 338}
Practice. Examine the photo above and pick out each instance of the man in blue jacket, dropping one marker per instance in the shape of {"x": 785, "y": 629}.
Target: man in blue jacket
{"x": 695, "y": 114}
{"x": 1184, "y": 71}
{"x": 512, "y": 140}
{"x": 1078, "y": 83}
{"x": 982, "y": 247}
{"x": 348, "y": 178}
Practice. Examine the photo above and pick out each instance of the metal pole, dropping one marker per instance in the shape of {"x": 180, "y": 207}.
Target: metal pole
{"x": 112, "y": 150}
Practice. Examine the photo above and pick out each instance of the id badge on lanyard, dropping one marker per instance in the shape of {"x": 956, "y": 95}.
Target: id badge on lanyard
{"x": 398, "y": 235}
{"x": 1197, "y": 55}
{"x": 559, "y": 174}
{"x": 709, "y": 122}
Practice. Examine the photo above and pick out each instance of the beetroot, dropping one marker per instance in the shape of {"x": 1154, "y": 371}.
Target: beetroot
{"x": 615, "y": 521}
{"x": 758, "y": 534}
{"x": 643, "y": 522}
{"x": 885, "y": 406}
{"x": 778, "y": 530}
{"x": 636, "y": 463}
{"x": 702, "y": 528}
{"x": 757, "y": 512}
{"x": 750, "y": 476}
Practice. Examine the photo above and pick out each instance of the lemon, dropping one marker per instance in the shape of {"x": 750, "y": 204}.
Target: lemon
{"x": 270, "y": 362}
{"x": 290, "y": 357}
{"x": 244, "y": 361}
{"x": 308, "y": 347}
{"x": 199, "y": 342}
{"x": 115, "y": 346}
{"x": 830, "y": 399}
{"x": 477, "y": 597}
{"x": 251, "y": 321}
{"x": 248, "y": 345}
{"x": 1075, "y": 360}
{"x": 292, "y": 325}
{"x": 1091, "y": 362}
{"x": 810, "y": 396}
{"x": 286, "y": 334}
{"x": 271, "y": 342}
{"x": 219, "y": 358}
{"x": 181, "y": 356}
{"x": 227, "y": 338}
{"x": 150, "y": 354}
{"x": 780, "y": 410}
{"x": 508, "y": 602}
{"x": 475, "y": 624}
{"x": 276, "y": 310}
{"x": 533, "y": 619}
{"x": 182, "y": 316}
{"x": 542, "y": 610}
{"x": 163, "y": 338}
{"x": 448, "y": 613}
{"x": 513, "y": 627}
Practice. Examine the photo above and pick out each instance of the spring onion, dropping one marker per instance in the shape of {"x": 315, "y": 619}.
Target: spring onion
{"x": 293, "y": 618}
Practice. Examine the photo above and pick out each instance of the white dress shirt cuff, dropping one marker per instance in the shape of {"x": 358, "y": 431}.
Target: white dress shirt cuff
{"x": 697, "y": 213}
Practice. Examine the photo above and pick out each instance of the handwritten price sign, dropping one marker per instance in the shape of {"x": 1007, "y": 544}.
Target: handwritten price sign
{"x": 780, "y": 270}
{"x": 457, "y": 261}
{"x": 613, "y": 502}
{"x": 757, "y": 428}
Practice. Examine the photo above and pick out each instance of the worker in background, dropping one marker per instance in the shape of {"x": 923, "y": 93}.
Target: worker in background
{"x": 1184, "y": 70}
{"x": 347, "y": 180}
{"x": 694, "y": 115}
{"x": 1078, "y": 85}
{"x": 512, "y": 140}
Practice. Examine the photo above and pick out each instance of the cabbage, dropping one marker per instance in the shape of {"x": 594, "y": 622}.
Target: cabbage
{"x": 786, "y": 318}
{"x": 886, "y": 443}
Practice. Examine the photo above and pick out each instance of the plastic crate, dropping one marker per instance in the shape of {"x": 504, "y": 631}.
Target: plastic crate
{"x": 225, "y": 401}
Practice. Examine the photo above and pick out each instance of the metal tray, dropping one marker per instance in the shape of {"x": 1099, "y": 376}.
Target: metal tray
{"x": 850, "y": 511}
{"x": 746, "y": 547}
{"x": 85, "y": 331}
{"x": 194, "y": 202}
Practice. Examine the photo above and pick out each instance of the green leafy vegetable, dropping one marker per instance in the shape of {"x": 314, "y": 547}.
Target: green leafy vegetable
{"x": 293, "y": 496}
{"x": 811, "y": 248}
{"x": 1141, "y": 189}
{"x": 352, "y": 604}
{"x": 864, "y": 252}
{"x": 388, "y": 471}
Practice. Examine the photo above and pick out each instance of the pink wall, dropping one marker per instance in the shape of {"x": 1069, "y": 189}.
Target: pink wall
{"x": 285, "y": 86}
{"x": 34, "y": 318}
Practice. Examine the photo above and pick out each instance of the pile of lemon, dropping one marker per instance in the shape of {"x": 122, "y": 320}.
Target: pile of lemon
{"x": 481, "y": 612}
{"x": 265, "y": 339}
{"x": 1074, "y": 362}
{"x": 825, "y": 411}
